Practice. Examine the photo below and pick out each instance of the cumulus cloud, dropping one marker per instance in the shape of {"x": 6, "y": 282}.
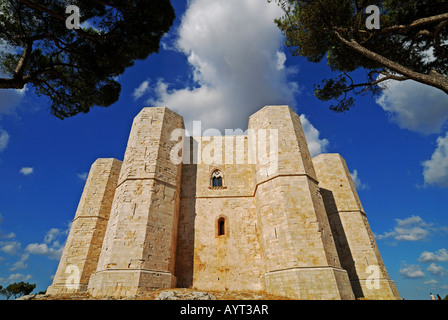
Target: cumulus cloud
{"x": 316, "y": 145}
{"x": 415, "y": 106}
{"x": 51, "y": 246}
{"x": 10, "y": 247}
{"x": 26, "y": 171}
{"x": 438, "y": 256}
{"x": 411, "y": 271}
{"x": 421, "y": 108}
{"x": 435, "y": 170}
{"x": 436, "y": 270}
{"x": 15, "y": 277}
{"x": 235, "y": 73}
{"x": 359, "y": 185}
{"x": 53, "y": 234}
{"x": 237, "y": 65}
{"x": 412, "y": 229}
{"x": 44, "y": 250}
{"x": 281, "y": 59}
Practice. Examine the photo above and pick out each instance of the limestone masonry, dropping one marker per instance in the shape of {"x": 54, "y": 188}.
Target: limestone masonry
{"x": 224, "y": 218}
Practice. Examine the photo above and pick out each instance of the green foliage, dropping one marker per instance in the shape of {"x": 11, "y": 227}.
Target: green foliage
{"x": 335, "y": 31}
{"x": 77, "y": 69}
{"x": 17, "y": 289}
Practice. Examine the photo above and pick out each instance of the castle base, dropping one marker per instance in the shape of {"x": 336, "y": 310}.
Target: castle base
{"x": 120, "y": 283}
{"x": 64, "y": 288}
{"x": 383, "y": 289}
{"x": 319, "y": 283}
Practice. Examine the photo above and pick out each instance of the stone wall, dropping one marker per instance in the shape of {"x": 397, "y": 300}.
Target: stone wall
{"x": 140, "y": 243}
{"x": 205, "y": 259}
{"x": 296, "y": 238}
{"x": 83, "y": 246}
{"x": 356, "y": 245}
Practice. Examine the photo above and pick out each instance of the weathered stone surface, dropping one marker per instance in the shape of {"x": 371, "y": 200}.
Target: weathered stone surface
{"x": 84, "y": 243}
{"x": 299, "y": 252}
{"x": 268, "y": 225}
{"x": 356, "y": 245}
{"x": 139, "y": 247}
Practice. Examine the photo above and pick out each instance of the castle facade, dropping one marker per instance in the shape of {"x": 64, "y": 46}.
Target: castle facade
{"x": 243, "y": 212}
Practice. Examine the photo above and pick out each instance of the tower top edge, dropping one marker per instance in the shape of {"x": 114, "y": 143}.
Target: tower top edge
{"x": 272, "y": 107}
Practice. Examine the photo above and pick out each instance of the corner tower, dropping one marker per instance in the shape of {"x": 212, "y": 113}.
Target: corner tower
{"x": 356, "y": 245}
{"x": 140, "y": 243}
{"x": 83, "y": 246}
{"x": 300, "y": 256}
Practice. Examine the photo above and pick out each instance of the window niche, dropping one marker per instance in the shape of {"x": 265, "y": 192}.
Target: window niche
{"x": 217, "y": 180}
{"x": 222, "y": 228}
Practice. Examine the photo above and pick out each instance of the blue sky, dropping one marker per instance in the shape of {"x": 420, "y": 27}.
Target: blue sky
{"x": 221, "y": 62}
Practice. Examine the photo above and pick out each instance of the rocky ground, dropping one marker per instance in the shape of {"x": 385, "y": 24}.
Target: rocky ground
{"x": 168, "y": 294}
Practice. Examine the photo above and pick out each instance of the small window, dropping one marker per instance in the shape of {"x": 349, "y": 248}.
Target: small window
{"x": 221, "y": 227}
{"x": 217, "y": 182}
{"x": 217, "y": 179}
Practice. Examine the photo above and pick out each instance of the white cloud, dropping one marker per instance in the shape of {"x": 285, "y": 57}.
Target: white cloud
{"x": 281, "y": 59}
{"x": 26, "y": 171}
{"x": 316, "y": 145}
{"x": 15, "y": 277}
{"x": 411, "y": 271}
{"x": 411, "y": 229}
{"x": 43, "y": 250}
{"x": 10, "y": 247}
{"x": 141, "y": 90}
{"x": 432, "y": 281}
{"x": 415, "y": 106}
{"x": 237, "y": 64}
{"x": 53, "y": 234}
{"x": 4, "y": 139}
{"x": 359, "y": 185}
{"x": 435, "y": 170}
{"x": 6, "y": 235}
{"x": 436, "y": 270}
{"x": 51, "y": 246}
{"x": 21, "y": 263}
{"x": 438, "y": 256}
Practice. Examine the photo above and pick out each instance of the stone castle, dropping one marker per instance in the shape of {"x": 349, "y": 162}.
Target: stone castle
{"x": 228, "y": 224}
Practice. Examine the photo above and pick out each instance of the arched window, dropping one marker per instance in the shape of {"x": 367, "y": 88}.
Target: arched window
{"x": 221, "y": 226}
{"x": 217, "y": 179}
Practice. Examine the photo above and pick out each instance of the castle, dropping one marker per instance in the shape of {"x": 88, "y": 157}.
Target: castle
{"x": 241, "y": 212}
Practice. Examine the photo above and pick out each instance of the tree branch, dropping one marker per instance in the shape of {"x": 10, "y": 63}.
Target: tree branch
{"x": 437, "y": 31}
{"x": 11, "y": 84}
{"x": 434, "y": 79}
{"x": 414, "y": 24}
{"x": 21, "y": 64}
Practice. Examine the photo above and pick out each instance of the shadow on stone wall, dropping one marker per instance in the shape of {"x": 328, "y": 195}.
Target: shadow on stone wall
{"x": 340, "y": 239}
{"x": 186, "y": 231}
